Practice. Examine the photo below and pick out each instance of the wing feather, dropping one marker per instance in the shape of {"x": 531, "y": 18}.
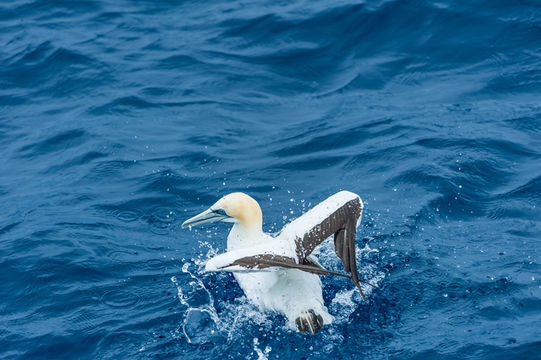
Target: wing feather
{"x": 339, "y": 215}
{"x": 253, "y": 259}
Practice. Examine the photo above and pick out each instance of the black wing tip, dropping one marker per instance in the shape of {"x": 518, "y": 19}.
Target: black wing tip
{"x": 360, "y": 290}
{"x": 358, "y": 285}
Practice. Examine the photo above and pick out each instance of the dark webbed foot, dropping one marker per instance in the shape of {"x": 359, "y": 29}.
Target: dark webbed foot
{"x": 309, "y": 321}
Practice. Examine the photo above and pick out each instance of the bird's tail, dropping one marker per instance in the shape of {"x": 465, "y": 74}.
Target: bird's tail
{"x": 309, "y": 321}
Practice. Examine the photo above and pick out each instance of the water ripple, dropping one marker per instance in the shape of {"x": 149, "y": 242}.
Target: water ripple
{"x": 120, "y": 120}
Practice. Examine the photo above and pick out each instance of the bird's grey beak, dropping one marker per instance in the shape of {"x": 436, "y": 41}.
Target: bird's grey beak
{"x": 206, "y": 216}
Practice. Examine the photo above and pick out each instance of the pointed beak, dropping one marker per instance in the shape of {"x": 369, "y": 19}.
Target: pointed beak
{"x": 206, "y": 216}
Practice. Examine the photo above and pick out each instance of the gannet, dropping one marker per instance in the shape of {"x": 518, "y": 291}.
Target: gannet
{"x": 279, "y": 274}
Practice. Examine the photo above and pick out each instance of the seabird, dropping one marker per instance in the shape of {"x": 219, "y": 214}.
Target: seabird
{"x": 279, "y": 274}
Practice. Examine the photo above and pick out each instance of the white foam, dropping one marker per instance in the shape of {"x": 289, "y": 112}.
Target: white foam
{"x": 261, "y": 355}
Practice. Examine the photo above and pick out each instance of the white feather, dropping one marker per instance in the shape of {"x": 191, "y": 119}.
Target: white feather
{"x": 298, "y": 227}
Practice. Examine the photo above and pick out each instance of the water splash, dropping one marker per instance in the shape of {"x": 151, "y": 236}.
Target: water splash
{"x": 200, "y": 319}
{"x": 261, "y": 354}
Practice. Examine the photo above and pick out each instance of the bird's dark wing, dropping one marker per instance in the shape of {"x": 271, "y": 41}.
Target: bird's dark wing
{"x": 269, "y": 261}
{"x": 338, "y": 216}
{"x": 254, "y": 259}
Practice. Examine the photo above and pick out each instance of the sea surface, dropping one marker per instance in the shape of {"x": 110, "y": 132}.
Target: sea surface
{"x": 121, "y": 119}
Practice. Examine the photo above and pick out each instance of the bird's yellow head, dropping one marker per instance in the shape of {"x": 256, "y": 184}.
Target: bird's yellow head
{"x": 235, "y": 207}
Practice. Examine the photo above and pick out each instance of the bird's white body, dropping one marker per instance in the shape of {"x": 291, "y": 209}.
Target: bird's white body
{"x": 289, "y": 292}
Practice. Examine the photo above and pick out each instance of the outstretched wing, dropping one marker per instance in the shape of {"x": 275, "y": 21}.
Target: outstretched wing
{"x": 339, "y": 215}
{"x": 257, "y": 258}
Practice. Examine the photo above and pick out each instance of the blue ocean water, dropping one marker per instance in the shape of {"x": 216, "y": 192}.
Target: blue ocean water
{"x": 120, "y": 119}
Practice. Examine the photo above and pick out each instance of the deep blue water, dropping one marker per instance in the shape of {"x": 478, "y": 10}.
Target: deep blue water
{"x": 120, "y": 119}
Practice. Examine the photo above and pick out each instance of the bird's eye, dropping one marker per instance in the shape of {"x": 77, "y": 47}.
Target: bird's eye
{"x": 220, "y": 212}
